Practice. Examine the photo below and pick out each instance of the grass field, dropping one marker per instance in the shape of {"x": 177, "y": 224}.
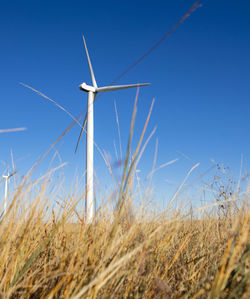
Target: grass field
{"x": 123, "y": 256}
{"x": 126, "y": 252}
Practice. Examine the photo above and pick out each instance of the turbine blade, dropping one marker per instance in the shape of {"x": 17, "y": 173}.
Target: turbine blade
{"x": 118, "y": 87}
{"x": 80, "y": 135}
{"x": 90, "y": 65}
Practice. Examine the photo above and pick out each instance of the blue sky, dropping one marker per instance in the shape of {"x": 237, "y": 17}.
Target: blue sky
{"x": 199, "y": 78}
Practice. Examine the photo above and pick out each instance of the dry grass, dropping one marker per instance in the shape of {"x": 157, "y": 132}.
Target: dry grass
{"x": 122, "y": 253}
{"x": 47, "y": 255}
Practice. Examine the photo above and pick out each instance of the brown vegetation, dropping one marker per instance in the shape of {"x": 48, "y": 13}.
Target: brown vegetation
{"x": 121, "y": 256}
{"x": 125, "y": 252}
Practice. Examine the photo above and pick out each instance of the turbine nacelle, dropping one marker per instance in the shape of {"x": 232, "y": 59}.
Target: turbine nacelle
{"x": 86, "y": 87}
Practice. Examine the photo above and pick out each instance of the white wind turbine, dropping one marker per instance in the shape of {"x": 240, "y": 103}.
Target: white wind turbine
{"x": 6, "y": 177}
{"x": 92, "y": 92}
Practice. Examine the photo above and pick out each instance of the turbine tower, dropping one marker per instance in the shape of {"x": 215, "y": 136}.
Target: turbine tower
{"x": 92, "y": 92}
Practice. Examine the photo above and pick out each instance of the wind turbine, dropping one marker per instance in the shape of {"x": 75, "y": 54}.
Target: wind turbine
{"x": 92, "y": 92}
{"x": 6, "y": 177}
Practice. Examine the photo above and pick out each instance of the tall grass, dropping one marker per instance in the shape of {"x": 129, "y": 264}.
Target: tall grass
{"x": 125, "y": 252}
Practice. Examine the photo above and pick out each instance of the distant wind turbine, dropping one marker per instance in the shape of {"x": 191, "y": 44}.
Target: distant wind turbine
{"x": 6, "y": 177}
{"x": 92, "y": 92}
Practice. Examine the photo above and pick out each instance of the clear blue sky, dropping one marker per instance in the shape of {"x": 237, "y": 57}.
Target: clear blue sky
{"x": 200, "y": 79}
